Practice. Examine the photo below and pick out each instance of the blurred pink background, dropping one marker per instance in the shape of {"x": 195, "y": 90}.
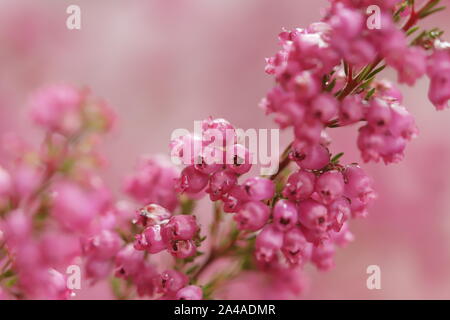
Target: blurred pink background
{"x": 164, "y": 63}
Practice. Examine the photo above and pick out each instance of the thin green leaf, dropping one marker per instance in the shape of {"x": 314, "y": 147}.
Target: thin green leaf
{"x": 370, "y": 94}
{"x": 428, "y": 13}
{"x": 362, "y": 75}
{"x": 429, "y": 6}
{"x": 336, "y": 158}
{"x": 412, "y": 30}
{"x": 331, "y": 86}
{"x": 374, "y": 72}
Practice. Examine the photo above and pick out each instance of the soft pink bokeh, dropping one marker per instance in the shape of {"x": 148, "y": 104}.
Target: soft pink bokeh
{"x": 164, "y": 64}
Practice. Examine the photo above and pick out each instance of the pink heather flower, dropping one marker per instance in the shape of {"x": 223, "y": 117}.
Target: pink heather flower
{"x": 438, "y": 71}
{"x": 152, "y": 214}
{"x": 411, "y": 65}
{"x": 238, "y": 159}
{"x": 359, "y": 208}
{"x": 150, "y": 240}
{"x": 26, "y": 179}
{"x": 186, "y": 148}
{"x": 144, "y": 280}
{"x": 306, "y": 85}
{"x": 391, "y": 41}
{"x": 57, "y": 108}
{"x": 342, "y": 237}
{"x": 286, "y": 110}
{"x": 309, "y": 131}
{"x": 252, "y": 216}
{"x": 189, "y": 293}
{"x": 313, "y": 215}
{"x": 313, "y": 52}
{"x": 218, "y": 132}
{"x": 347, "y": 36}
{"x": 379, "y": 115}
{"x": 316, "y": 236}
{"x": 346, "y": 22}
{"x": 170, "y": 282}
{"x": 233, "y": 201}
{"x": 59, "y": 249}
{"x": 439, "y": 92}
{"x": 295, "y": 246}
{"x": 299, "y": 186}
{"x": 131, "y": 266}
{"x": 211, "y": 160}
{"x": 16, "y": 227}
{"x": 73, "y": 207}
{"x": 129, "y": 262}
{"x": 153, "y": 182}
{"x": 182, "y": 249}
{"x": 221, "y": 183}
{"x": 386, "y": 90}
{"x": 324, "y": 108}
{"x": 376, "y": 146}
{"x": 97, "y": 269}
{"x": 191, "y": 180}
{"x": 103, "y": 246}
{"x": 357, "y": 184}
{"x": 339, "y": 212}
{"x": 323, "y": 256}
{"x": 388, "y": 130}
{"x": 402, "y": 123}
{"x": 57, "y": 286}
{"x": 351, "y": 110}
{"x": 268, "y": 242}
{"x": 182, "y": 227}
{"x": 312, "y": 157}
{"x": 285, "y": 215}
{"x": 330, "y": 186}
{"x": 258, "y": 188}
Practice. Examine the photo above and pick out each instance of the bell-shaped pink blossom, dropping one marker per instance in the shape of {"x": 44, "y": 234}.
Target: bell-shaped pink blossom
{"x": 182, "y": 249}
{"x": 312, "y": 157}
{"x": 258, "y": 188}
{"x": 285, "y": 215}
{"x": 182, "y": 227}
{"x": 330, "y": 186}
{"x": 268, "y": 242}
{"x": 313, "y": 214}
{"x": 252, "y": 216}
{"x": 299, "y": 186}
{"x": 189, "y": 293}
{"x": 191, "y": 180}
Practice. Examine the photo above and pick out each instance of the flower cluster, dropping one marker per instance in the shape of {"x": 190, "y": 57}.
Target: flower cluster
{"x": 52, "y": 199}
{"x": 439, "y": 72}
{"x": 214, "y": 160}
{"x": 325, "y": 78}
{"x": 318, "y": 86}
{"x": 169, "y": 284}
{"x": 178, "y": 234}
{"x": 153, "y": 171}
{"x": 312, "y": 216}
